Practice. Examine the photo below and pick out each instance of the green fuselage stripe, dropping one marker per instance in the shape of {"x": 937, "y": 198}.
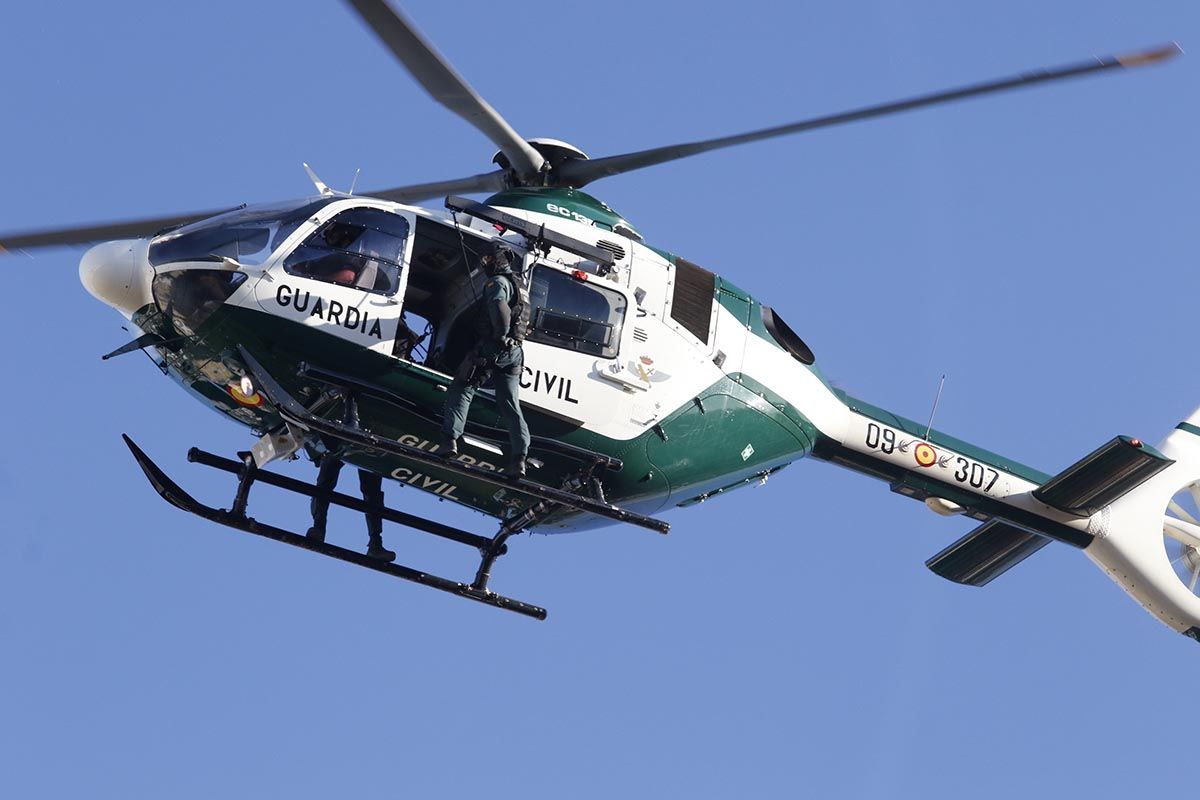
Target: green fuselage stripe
{"x": 828, "y": 449}
{"x": 1189, "y": 427}
{"x": 938, "y": 438}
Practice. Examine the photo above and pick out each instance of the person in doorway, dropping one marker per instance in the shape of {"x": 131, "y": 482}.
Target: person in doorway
{"x": 500, "y": 330}
{"x": 337, "y": 264}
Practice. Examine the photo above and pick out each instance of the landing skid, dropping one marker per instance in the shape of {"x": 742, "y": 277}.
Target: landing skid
{"x": 235, "y": 517}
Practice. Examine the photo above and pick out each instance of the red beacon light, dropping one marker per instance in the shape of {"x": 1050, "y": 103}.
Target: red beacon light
{"x": 579, "y": 275}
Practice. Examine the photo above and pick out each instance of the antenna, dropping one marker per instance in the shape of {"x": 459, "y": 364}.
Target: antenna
{"x": 320, "y": 184}
{"x": 354, "y": 182}
{"x": 929, "y": 427}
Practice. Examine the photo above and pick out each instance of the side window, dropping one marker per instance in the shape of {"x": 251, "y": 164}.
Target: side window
{"x": 360, "y": 247}
{"x": 575, "y": 314}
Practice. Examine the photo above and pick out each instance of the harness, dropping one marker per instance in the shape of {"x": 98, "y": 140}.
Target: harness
{"x": 518, "y": 309}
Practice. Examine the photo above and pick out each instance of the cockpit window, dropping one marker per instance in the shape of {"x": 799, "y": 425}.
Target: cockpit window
{"x": 575, "y": 314}
{"x": 188, "y": 297}
{"x": 248, "y": 235}
{"x": 360, "y": 247}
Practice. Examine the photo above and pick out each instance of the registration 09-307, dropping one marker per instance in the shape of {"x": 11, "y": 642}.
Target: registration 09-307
{"x": 968, "y": 472}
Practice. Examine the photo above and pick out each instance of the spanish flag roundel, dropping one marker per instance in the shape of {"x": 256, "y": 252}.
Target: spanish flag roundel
{"x": 252, "y": 400}
{"x": 926, "y": 456}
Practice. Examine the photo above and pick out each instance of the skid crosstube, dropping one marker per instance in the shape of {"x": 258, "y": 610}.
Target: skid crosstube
{"x": 176, "y": 496}
{"x": 296, "y": 413}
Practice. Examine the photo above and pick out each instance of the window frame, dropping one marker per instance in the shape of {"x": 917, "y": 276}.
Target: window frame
{"x": 608, "y": 351}
{"x": 397, "y": 285}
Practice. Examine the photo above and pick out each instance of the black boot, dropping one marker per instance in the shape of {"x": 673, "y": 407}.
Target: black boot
{"x": 372, "y": 492}
{"x": 448, "y": 448}
{"x": 515, "y": 469}
{"x": 327, "y": 477}
{"x": 375, "y": 549}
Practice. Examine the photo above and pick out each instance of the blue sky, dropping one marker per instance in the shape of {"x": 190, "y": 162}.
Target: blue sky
{"x": 1038, "y": 248}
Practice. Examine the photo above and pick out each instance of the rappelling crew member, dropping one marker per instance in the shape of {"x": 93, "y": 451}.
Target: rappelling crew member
{"x": 500, "y": 325}
{"x": 371, "y": 485}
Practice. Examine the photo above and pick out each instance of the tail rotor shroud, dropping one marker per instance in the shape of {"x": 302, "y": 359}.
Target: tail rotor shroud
{"x": 1181, "y": 535}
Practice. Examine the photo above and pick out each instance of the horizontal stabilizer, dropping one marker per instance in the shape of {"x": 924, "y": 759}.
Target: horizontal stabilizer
{"x": 990, "y": 550}
{"x": 1099, "y": 478}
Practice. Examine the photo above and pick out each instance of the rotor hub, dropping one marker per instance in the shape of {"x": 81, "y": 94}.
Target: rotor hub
{"x": 555, "y": 151}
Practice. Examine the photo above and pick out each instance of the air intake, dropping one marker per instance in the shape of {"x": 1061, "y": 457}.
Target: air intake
{"x": 612, "y": 247}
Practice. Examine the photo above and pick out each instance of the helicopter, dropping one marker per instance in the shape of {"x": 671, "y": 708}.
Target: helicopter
{"x": 651, "y": 382}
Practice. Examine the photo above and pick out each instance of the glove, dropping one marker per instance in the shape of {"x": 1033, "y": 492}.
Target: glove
{"x": 508, "y": 343}
{"x": 478, "y": 371}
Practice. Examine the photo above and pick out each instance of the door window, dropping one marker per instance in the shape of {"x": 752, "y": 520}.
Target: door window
{"x": 360, "y": 247}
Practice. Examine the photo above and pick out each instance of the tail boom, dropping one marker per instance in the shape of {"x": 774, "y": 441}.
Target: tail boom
{"x": 948, "y": 474}
{"x": 1110, "y": 504}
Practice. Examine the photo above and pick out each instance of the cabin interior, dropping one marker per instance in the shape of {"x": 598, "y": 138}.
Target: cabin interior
{"x": 444, "y": 283}
{"x": 363, "y": 248}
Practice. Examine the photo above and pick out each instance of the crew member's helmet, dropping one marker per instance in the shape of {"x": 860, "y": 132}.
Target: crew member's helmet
{"x": 498, "y": 259}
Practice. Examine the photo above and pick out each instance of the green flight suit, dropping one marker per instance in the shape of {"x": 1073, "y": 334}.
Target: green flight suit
{"x": 491, "y": 355}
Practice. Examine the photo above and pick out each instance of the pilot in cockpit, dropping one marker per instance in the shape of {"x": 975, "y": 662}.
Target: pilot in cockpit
{"x": 335, "y": 267}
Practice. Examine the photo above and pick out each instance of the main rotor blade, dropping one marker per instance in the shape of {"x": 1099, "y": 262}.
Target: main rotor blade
{"x": 88, "y": 234}
{"x": 580, "y": 173}
{"x": 132, "y": 229}
{"x": 444, "y": 84}
{"x": 485, "y": 182}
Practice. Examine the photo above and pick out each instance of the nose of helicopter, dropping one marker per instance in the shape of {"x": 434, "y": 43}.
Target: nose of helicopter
{"x": 118, "y": 274}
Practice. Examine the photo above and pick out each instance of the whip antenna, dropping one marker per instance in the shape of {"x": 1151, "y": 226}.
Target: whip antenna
{"x": 317, "y": 182}
{"x": 936, "y": 398}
